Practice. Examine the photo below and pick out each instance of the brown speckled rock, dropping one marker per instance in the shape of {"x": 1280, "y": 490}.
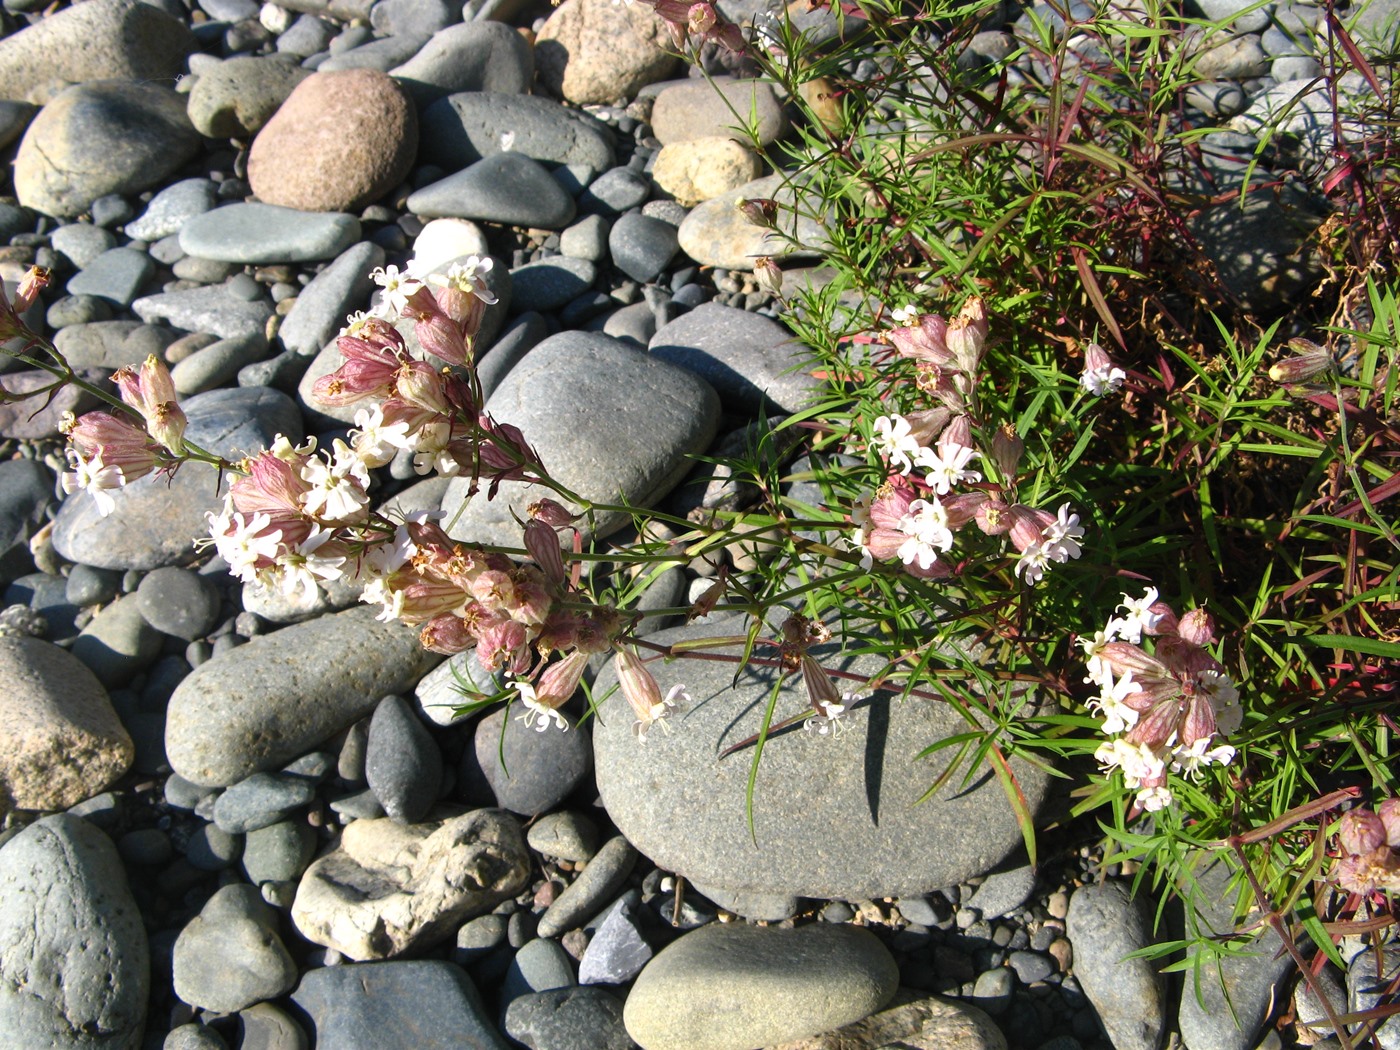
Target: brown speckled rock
{"x": 598, "y": 51}
{"x": 341, "y": 140}
{"x": 64, "y": 741}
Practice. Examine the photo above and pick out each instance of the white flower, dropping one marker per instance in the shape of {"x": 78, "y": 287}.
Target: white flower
{"x": 926, "y": 525}
{"x": 95, "y": 478}
{"x": 302, "y": 567}
{"x": 398, "y": 287}
{"x": 1103, "y": 379}
{"x": 894, "y": 441}
{"x": 1190, "y": 760}
{"x": 905, "y": 315}
{"x": 1034, "y": 560}
{"x": 1093, "y": 656}
{"x": 537, "y": 716}
{"x": 1224, "y": 699}
{"x": 948, "y": 466}
{"x": 659, "y": 712}
{"x": 1154, "y": 798}
{"x": 338, "y": 485}
{"x": 468, "y": 276}
{"x": 1118, "y": 717}
{"x": 1139, "y": 618}
{"x": 1060, "y": 538}
{"x": 831, "y": 717}
{"x": 374, "y": 443}
{"x": 243, "y": 542}
{"x": 1138, "y": 762}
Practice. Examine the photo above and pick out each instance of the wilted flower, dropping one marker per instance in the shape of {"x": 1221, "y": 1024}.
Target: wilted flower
{"x": 152, "y": 393}
{"x": 640, "y": 688}
{"x": 768, "y": 276}
{"x": 1309, "y": 362}
{"x": 760, "y": 211}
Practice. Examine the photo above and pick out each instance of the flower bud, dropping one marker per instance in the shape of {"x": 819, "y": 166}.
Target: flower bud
{"x": 822, "y": 694}
{"x": 1196, "y": 626}
{"x": 34, "y": 281}
{"x": 446, "y": 634}
{"x": 1310, "y": 361}
{"x": 768, "y": 276}
{"x": 926, "y": 424}
{"x": 1007, "y": 450}
{"x": 638, "y": 684}
{"x": 701, "y": 18}
{"x": 152, "y": 393}
{"x": 1389, "y": 812}
{"x": 760, "y": 211}
{"x": 1360, "y": 831}
{"x": 560, "y": 680}
{"x": 543, "y": 544}
{"x": 967, "y": 335}
{"x": 551, "y": 512}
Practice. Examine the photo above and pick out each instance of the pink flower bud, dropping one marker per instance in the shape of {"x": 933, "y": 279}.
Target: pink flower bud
{"x": 926, "y": 424}
{"x": 766, "y": 272}
{"x": 926, "y": 341}
{"x": 958, "y": 432}
{"x": 1310, "y": 361}
{"x": 419, "y": 383}
{"x": 760, "y": 211}
{"x": 1360, "y": 831}
{"x": 994, "y": 517}
{"x": 1007, "y": 450}
{"x": 1156, "y": 724}
{"x": 446, "y": 634}
{"x": 273, "y": 486}
{"x": 1197, "y": 721}
{"x": 152, "y": 393}
{"x": 34, "y": 281}
{"x": 700, "y": 18}
{"x": 1389, "y": 812}
{"x": 967, "y": 335}
{"x": 543, "y": 544}
{"x": 440, "y": 336}
{"x": 560, "y": 680}
{"x": 551, "y": 512}
{"x": 1196, "y": 627}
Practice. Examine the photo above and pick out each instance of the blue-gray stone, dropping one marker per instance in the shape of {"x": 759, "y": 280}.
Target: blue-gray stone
{"x": 463, "y": 128}
{"x": 82, "y": 242}
{"x": 382, "y": 54}
{"x": 686, "y": 810}
{"x": 1105, "y": 924}
{"x": 412, "y": 17}
{"x": 77, "y": 309}
{"x": 527, "y": 771}
{"x": 402, "y": 762}
{"x": 240, "y": 95}
{"x": 539, "y": 966}
{"x": 171, "y": 208}
{"x": 505, "y": 353}
{"x": 475, "y": 56}
{"x": 157, "y": 520}
{"x": 395, "y": 1006}
{"x": 179, "y": 602}
{"x": 507, "y": 188}
{"x": 74, "y": 954}
{"x": 218, "y": 363}
{"x": 266, "y": 233}
{"x": 260, "y": 801}
{"x": 610, "y": 422}
{"x": 1003, "y": 892}
{"x": 118, "y": 642}
{"x": 613, "y": 192}
{"x": 234, "y": 715}
{"x": 117, "y": 275}
{"x": 586, "y": 239}
{"x": 230, "y": 955}
{"x": 550, "y": 283}
{"x": 279, "y": 852}
{"x": 215, "y": 309}
{"x": 748, "y": 359}
{"x": 26, "y": 488}
{"x": 335, "y": 292}
{"x": 641, "y": 247}
{"x": 453, "y": 683}
{"x": 595, "y": 886}
{"x": 306, "y": 36}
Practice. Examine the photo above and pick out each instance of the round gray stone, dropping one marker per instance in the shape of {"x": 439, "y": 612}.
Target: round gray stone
{"x": 770, "y": 985}
{"x": 1105, "y": 924}
{"x": 463, "y": 128}
{"x": 265, "y": 233}
{"x": 179, "y": 602}
{"x": 595, "y": 887}
{"x": 685, "y": 808}
{"x": 321, "y": 307}
{"x": 507, "y": 188}
{"x": 261, "y": 800}
{"x": 475, "y": 56}
{"x": 641, "y": 247}
{"x": 73, "y": 950}
{"x": 568, "y": 1019}
{"x": 216, "y": 309}
{"x": 235, "y": 715}
{"x": 527, "y": 771}
{"x": 230, "y": 956}
{"x": 172, "y": 207}
{"x": 402, "y": 762}
{"x": 100, "y": 138}
{"x": 238, "y": 96}
{"x": 550, "y": 283}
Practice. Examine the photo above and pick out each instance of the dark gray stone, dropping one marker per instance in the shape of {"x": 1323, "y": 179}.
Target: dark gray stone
{"x": 641, "y": 247}
{"x": 218, "y": 363}
{"x": 230, "y": 955}
{"x": 539, "y": 966}
{"x": 539, "y": 770}
{"x": 568, "y": 836}
{"x": 322, "y": 306}
{"x": 568, "y": 1019}
{"x": 615, "y": 191}
{"x": 279, "y": 852}
{"x": 265, "y": 233}
{"x": 745, "y": 357}
{"x": 586, "y": 896}
{"x": 99, "y": 138}
{"x": 179, "y": 602}
{"x": 476, "y": 56}
{"x": 550, "y": 283}
{"x": 685, "y": 808}
{"x": 73, "y": 950}
{"x": 402, "y": 762}
{"x": 116, "y": 276}
{"x": 1105, "y": 924}
{"x": 461, "y": 129}
{"x": 508, "y": 188}
{"x": 118, "y": 642}
{"x": 1003, "y": 892}
{"x": 395, "y": 1006}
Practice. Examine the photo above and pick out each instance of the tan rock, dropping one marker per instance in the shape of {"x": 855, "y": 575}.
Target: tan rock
{"x": 701, "y": 169}
{"x": 390, "y": 887}
{"x": 716, "y": 233}
{"x": 695, "y": 109}
{"x": 64, "y": 742}
{"x": 599, "y": 51}
{"x": 341, "y": 140}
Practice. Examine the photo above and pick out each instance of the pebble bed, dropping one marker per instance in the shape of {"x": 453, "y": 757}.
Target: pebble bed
{"x": 234, "y": 819}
